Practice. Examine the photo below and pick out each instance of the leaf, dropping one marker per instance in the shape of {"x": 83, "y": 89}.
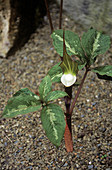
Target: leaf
{"x": 52, "y": 117}
{"x": 80, "y": 65}
{"x": 72, "y": 42}
{"x": 103, "y": 70}
{"x": 55, "y": 73}
{"x": 25, "y": 91}
{"x": 45, "y": 87}
{"x": 24, "y": 101}
{"x": 53, "y": 95}
{"x": 94, "y": 43}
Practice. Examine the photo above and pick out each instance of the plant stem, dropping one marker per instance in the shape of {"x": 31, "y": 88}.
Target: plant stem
{"x": 78, "y": 92}
{"x": 68, "y": 98}
{"x": 60, "y": 18}
{"x": 68, "y": 128}
{"x": 49, "y": 16}
{"x": 68, "y": 114}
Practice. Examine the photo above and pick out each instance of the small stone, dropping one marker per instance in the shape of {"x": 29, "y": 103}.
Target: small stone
{"x": 5, "y": 143}
{"x": 98, "y": 145}
{"x": 90, "y": 166}
{"x": 77, "y": 165}
{"x": 15, "y": 142}
{"x": 30, "y": 136}
{"x": 96, "y": 96}
{"x": 1, "y": 145}
{"x": 2, "y": 160}
{"x": 94, "y": 103}
{"x": 66, "y": 164}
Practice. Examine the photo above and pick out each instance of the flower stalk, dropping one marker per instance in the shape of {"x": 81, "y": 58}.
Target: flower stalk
{"x": 49, "y": 16}
{"x": 78, "y": 91}
{"x": 69, "y": 111}
{"x": 68, "y": 128}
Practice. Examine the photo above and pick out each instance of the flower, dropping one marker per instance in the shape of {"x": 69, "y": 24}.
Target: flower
{"x": 68, "y": 79}
{"x": 69, "y": 67}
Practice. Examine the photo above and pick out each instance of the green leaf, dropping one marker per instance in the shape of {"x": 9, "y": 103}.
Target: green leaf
{"x": 72, "y": 43}
{"x": 103, "y": 70}
{"x": 55, "y": 73}
{"x": 94, "y": 43}
{"x": 80, "y": 65}
{"x": 52, "y": 117}
{"x": 53, "y": 95}
{"x": 25, "y": 91}
{"x": 45, "y": 87}
{"x": 24, "y": 101}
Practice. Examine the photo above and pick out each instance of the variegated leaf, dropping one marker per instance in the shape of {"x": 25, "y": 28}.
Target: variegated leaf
{"x": 103, "y": 70}
{"x": 94, "y": 43}
{"x": 24, "y": 101}
{"x": 53, "y": 95}
{"x": 53, "y": 122}
{"x": 55, "y": 73}
{"x": 45, "y": 87}
{"x": 72, "y": 42}
{"x": 26, "y": 92}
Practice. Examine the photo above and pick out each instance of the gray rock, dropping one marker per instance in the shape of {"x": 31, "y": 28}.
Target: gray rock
{"x": 90, "y": 13}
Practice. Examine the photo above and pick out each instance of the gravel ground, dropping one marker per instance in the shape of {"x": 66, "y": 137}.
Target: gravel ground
{"x": 23, "y": 144}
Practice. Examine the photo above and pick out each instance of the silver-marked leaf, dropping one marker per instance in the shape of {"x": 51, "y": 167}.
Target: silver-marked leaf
{"x": 25, "y": 91}
{"x": 94, "y": 43}
{"x": 103, "y": 70}
{"x": 53, "y": 95}
{"x": 53, "y": 122}
{"x": 21, "y": 103}
{"x": 55, "y": 73}
{"x": 45, "y": 87}
{"x": 72, "y": 43}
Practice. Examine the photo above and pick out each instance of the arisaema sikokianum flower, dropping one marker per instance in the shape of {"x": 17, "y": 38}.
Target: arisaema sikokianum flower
{"x": 69, "y": 67}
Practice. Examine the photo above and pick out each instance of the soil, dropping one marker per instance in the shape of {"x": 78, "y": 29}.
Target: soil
{"x": 23, "y": 144}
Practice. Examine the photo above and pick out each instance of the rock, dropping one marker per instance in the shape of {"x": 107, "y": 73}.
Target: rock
{"x": 5, "y": 14}
{"x": 18, "y": 19}
{"x": 90, "y": 13}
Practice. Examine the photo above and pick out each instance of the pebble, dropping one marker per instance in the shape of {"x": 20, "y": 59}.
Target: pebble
{"x": 90, "y": 166}
{"x": 66, "y": 164}
{"x": 5, "y": 143}
{"x": 82, "y": 116}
